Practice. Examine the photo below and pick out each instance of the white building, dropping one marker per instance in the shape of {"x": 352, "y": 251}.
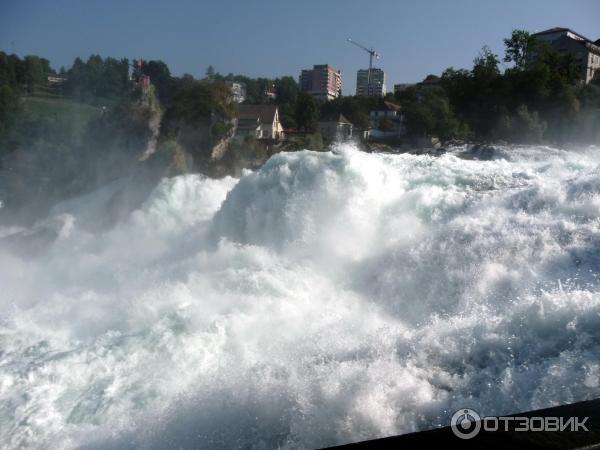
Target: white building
{"x": 335, "y": 128}
{"x": 375, "y": 87}
{"x": 259, "y": 122}
{"x": 585, "y": 52}
{"x": 387, "y": 122}
{"x": 238, "y": 89}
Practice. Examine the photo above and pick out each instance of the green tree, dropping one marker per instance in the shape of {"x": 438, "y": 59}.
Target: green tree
{"x": 98, "y": 78}
{"x": 529, "y": 128}
{"x": 160, "y": 76}
{"x": 114, "y": 80}
{"x": 201, "y": 103}
{"x": 7, "y": 70}
{"x": 287, "y": 90}
{"x": 517, "y": 49}
{"x": 9, "y": 106}
{"x": 458, "y": 85}
{"x": 485, "y": 65}
{"x": 307, "y": 113}
{"x": 36, "y": 71}
{"x": 210, "y": 72}
{"x": 428, "y": 112}
{"x": 287, "y": 114}
{"x": 355, "y": 109}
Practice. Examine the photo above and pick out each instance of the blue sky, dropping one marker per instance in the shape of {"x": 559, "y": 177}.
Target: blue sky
{"x": 273, "y": 38}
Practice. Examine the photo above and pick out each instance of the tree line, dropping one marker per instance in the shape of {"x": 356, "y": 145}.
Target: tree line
{"x": 538, "y": 98}
{"x": 533, "y": 100}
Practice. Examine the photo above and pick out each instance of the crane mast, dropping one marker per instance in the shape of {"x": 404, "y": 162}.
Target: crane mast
{"x": 372, "y": 53}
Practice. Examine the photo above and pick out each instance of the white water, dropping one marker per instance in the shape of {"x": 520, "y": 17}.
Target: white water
{"x": 325, "y": 299}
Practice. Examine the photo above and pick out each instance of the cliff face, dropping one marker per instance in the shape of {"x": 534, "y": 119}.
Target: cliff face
{"x": 60, "y": 148}
{"x": 63, "y": 149}
{"x": 200, "y": 123}
{"x": 150, "y": 101}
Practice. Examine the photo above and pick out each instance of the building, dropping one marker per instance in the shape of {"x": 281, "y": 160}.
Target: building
{"x": 238, "y": 89}
{"x": 386, "y": 121}
{"x": 271, "y": 92}
{"x": 430, "y": 81}
{"x": 388, "y": 110}
{"x": 259, "y": 122}
{"x": 585, "y": 51}
{"x": 400, "y": 87}
{"x": 322, "y": 82}
{"x": 56, "y": 83}
{"x": 373, "y": 88}
{"x": 335, "y": 128}
{"x": 56, "y": 80}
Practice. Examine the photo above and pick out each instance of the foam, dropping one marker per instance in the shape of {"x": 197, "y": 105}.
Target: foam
{"x": 326, "y": 298}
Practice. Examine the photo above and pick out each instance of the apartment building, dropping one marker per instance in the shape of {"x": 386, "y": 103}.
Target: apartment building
{"x": 322, "y": 82}
{"x": 373, "y": 86}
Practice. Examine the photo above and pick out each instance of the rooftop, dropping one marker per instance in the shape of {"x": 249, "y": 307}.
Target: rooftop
{"x": 562, "y": 30}
{"x": 257, "y": 113}
{"x": 389, "y": 106}
{"x": 338, "y": 118}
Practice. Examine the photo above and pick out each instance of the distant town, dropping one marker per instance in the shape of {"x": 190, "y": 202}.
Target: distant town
{"x": 324, "y": 82}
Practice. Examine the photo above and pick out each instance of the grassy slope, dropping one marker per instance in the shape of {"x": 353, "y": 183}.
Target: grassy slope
{"x": 67, "y": 119}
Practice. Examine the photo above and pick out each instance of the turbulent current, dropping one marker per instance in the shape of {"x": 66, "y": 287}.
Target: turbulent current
{"x": 323, "y": 299}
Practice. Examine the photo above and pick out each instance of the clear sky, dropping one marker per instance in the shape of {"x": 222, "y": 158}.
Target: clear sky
{"x": 273, "y": 38}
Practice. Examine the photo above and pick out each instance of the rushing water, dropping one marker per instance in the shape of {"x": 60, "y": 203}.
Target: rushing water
{"x": 326, "y": 298}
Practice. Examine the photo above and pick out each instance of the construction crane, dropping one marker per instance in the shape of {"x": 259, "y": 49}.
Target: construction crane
{"x": 371, "y": 53}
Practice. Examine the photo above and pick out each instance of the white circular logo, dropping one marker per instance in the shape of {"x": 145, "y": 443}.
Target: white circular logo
{"x": 465, "y": 423}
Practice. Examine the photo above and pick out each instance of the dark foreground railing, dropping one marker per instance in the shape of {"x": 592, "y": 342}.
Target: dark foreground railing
{"x": 577, "y": 432}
